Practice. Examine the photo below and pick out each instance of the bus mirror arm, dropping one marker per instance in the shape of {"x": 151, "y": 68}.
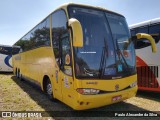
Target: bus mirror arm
{"x": 77, "y": 33}
{"x": 150, "y": 38}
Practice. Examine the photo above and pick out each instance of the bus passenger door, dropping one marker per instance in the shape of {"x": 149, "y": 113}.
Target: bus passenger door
{"x": 57, "y": 83}
{"x": 66, "y": 68}
{"x": 62, "y": 52}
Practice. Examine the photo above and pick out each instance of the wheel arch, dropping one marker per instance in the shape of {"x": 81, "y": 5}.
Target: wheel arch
{"x": 44, "y": 82}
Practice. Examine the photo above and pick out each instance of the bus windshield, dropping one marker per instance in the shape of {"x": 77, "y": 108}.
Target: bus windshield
{"x": 107, "y": 51}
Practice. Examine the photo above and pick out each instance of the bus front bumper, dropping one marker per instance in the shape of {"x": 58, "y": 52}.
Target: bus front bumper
{"x": 95, "y": 101}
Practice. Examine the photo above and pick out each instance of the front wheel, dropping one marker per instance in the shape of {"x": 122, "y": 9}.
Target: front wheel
{"x": 49, "y": 90}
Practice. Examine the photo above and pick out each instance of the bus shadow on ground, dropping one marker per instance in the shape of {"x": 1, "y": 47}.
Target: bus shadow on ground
{"x": 59, "y": 109}
{"x": 149, "y": 95}
{"x": 6, "y": 73}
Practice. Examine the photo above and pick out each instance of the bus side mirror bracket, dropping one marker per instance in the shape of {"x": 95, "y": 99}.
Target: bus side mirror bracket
{"x": 150, "y": 38}
{"x": 77, "y": 33}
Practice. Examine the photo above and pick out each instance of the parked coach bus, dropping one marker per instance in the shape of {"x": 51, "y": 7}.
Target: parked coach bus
{"x": 6, "y": 58}
{"x": 148, "y": 63}
{"x": 81, "y": 55}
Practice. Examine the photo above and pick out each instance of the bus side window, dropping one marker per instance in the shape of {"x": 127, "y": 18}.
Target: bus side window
{"x": 143, "y": 42}
{"x": 58, "y": 27}
{"x": 133, "y": 32}
{"x": 154, "y": 30}
{"x": 16, "y": 50}
{"x": 66, "y": 56}
{"x": 143, "y": 29}
{"x": 6, "y": 50}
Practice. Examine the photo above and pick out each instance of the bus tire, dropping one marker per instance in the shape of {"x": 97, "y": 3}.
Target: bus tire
{"x": 17, "y": 74}
{"x": 20, "y": 77}
{"x": 49, "y": 91}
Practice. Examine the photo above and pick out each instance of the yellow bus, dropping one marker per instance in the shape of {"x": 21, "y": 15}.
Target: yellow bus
{"x": 81, "y": 55}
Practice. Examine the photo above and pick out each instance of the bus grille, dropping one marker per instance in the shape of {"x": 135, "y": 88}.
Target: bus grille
{"x": 147, "y": 76}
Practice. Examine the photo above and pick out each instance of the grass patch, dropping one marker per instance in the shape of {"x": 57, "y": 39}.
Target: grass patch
{"x": 13, "y": 97}
{"x": 16, "y": 95}
{"x": 19, "y": 95}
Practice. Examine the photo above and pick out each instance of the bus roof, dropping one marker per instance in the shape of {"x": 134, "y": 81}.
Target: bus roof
{"x": 148, "y": 22}
{"x": 5, "y": 45}
{"x": 9, "y": 46}
{"x": 65, "y": 5}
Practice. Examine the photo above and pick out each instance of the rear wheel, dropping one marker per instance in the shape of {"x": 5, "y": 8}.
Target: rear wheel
{"x": 17, "y": 73}
{"x": 20, "y": 76}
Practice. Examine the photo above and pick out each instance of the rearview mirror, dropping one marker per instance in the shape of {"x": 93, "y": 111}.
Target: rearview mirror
{"x": 150, "y": 38}
{"x": 77, "y": 33}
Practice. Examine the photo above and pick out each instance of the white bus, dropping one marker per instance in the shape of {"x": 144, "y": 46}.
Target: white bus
{"x": 148, "y": 63}
{"x": 6, "y": 57}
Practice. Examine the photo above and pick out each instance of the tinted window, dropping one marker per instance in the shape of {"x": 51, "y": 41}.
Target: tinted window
{"x": 15, "y": 50}
{"x": 66, "y": 51}
{"x": 133, "y": 32}
{"x": 143, "y": 30}
{"x": 61, "y": 41}
{"x": 6, "y": 50}
{"x": 153, "y": 29}
{"x": 39, "y": 36}
{"x": 142, "y": 43}
{"x": 58, "y": 29}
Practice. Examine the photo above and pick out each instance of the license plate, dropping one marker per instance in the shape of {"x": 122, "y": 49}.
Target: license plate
{"x": 116, "y": 98}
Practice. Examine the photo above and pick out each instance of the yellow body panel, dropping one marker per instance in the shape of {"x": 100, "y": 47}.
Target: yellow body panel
{"x": 94, "y": 101}
{"x": 32, "y": 62}
{"x": 80, "y": 102}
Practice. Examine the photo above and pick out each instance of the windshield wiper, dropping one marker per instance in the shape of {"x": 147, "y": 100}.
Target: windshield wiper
{"x": 89, "y": 72}
{"x": 104, "y": 56}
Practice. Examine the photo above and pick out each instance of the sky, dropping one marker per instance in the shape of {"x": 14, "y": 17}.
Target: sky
{"x": 17, "y": 17}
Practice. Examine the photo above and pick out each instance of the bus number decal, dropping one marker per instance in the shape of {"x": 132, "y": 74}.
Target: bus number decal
{"x": 57, "y": 76}
{"x": 66, "y": 82}
{"x": 67, "y": 59}
{"x": 17, "y": 58}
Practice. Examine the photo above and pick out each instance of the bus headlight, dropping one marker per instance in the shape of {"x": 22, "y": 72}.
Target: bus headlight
{"x": 133, "y": 84}
{"x": 88, "y": 91}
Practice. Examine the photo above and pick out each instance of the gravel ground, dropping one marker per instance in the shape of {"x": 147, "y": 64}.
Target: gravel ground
{"x": 143, "y": 102}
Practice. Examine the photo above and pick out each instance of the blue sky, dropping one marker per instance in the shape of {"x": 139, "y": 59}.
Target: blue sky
{"x": 17, "y": 17}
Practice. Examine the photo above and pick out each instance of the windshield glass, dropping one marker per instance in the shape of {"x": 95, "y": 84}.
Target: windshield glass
{"x": 125, "y": 53}
{"x": 107, "y": 51}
